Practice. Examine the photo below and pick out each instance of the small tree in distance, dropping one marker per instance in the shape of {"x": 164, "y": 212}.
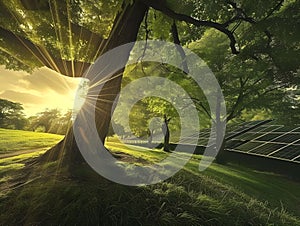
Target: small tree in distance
{"x": 12, "y": 115}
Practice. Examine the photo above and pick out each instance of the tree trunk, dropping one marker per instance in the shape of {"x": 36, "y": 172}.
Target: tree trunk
{"x": 221, "y": 156}
{"x": 166, "y": 132}
{"x": 150, "y": 137}
{"x": 220, "y": 132}
{"x": 167, "y": 141}
{"x": 125, "y": 30}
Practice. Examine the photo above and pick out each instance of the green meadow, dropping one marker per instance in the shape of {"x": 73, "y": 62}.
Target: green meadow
{"x": 221, "y": 195}
{"x": 17, "y": 140}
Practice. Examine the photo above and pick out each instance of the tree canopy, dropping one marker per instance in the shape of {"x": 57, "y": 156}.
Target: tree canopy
{"x": 67, "y": 36}
{"x": 11, "y": 115}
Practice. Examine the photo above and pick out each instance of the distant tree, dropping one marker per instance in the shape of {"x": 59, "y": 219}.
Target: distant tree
{"x": 11, "y": 115}
{"x": 115, "y": 129}
{"x": 61, "y": 124}
{"x": 45, "y": 119}
{"x": 51, "y": 120}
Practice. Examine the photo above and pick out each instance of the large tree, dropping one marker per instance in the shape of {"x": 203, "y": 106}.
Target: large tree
{"x": 68, "y": 35}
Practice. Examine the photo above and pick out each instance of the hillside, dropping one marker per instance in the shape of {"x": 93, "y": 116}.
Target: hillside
{"x": 49, "y": 194}
{"x": 17, "y": 140}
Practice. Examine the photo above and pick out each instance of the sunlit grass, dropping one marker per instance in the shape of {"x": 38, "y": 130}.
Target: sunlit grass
{"x": 17, "y": 162}
{"x": 16, "y": 140}
{"x": 22, "y": 157}
{"x": 154, "y": 155}
{"x": 221, "y": 195}
{"x": 277, "y": 191}
{"x": 188, "y": 198}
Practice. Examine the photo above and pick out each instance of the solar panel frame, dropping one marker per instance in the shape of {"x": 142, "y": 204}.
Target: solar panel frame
{"x": 297, "y": 159}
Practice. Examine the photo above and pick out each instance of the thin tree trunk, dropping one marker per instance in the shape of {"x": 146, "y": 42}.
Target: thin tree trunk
{"x": 167, "y": 141}
{"x": 166, "y": 132}
{"x": 150, "y": 137}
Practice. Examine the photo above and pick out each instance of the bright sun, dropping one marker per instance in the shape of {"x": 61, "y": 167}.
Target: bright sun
{"x": 43, "y": 89}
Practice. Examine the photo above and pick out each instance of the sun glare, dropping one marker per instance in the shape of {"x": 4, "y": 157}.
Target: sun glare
{"x": 43, "y": 89}
{"x": 80, "y": 96}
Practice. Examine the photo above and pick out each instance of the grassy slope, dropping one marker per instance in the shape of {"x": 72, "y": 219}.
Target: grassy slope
{"x": 16, "y": 140}
{"x": 278, "y": 191}
{"x": 222, "y": 195}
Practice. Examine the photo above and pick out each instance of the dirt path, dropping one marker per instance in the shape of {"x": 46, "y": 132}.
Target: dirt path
{"x": 16, "y": 153}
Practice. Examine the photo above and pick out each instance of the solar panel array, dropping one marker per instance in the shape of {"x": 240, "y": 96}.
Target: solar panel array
{"x": 232, "y": 130}
{"x": 272, "y": 141}
{"x": 255, "y": 138}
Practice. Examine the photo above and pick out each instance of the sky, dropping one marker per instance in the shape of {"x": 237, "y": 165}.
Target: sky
{"x": 42, "y": 89}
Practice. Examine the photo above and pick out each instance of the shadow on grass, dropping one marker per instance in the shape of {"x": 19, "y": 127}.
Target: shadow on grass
{"x": 58, "y": 196}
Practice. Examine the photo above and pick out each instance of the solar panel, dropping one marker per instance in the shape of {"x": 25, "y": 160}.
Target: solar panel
{"x": 271, "y": 141}
{"x": 254, "y": 138}
{"x": 249, "y": 136}
{"x": 297, "y": 159}
{"x": 287, "y": 138}
{"x": 289, "y": 152}
{"x": 266, "y": 148}
{"x": 248, "y": 146}
{"x": 283, "y": 129}
{"x": 231, "y": 131}
{"x": 266, "y": 128}
{"x": 234, "y": 143}
{"x": 267, "y": 137}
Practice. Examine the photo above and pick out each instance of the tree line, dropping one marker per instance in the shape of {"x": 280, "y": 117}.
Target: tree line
{"x": 49, "y": 121}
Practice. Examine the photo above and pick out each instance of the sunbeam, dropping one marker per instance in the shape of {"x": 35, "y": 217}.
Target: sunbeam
{"x": 105, "y": 80}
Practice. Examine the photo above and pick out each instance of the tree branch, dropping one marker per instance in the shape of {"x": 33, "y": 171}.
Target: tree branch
{"x": 161, "y": 6}
{"x": 44, "y": 57}
{"x": 241, "y": 15}
{"x": 237, "y": 103}
{"x": 201, "y": 105}
{"x": 276, "y": 7}
{"x": 179, "y": 48}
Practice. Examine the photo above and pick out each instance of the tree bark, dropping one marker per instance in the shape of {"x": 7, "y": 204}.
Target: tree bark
{"x": 220, "y": 132}
{"x": 150, "y": 137}
{"x": 125, "y": 30}
{"x": 166, "y": 132}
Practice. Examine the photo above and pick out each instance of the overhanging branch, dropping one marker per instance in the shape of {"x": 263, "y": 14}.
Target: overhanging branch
{"x": 44, "y": 57}
{"x": 161, "y": 6}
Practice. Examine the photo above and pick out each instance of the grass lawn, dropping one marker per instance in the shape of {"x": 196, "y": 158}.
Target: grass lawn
{"x": 277, "y": 190}
{"x": 49, "y": 194}
{"x": 17, "y": 140}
